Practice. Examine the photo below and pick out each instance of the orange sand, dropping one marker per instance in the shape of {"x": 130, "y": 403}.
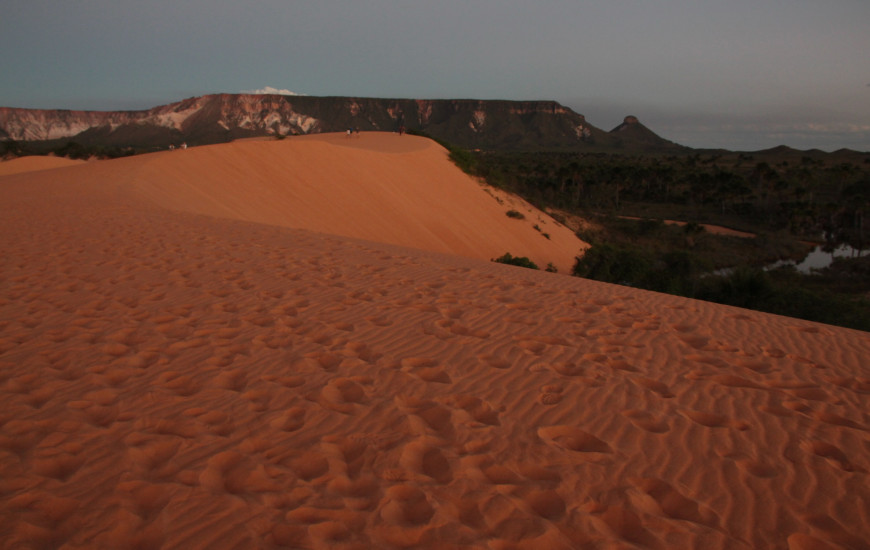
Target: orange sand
{"x": 379, "y": 187}
{"x": 33, "y": 164}
{"x": 175, "y": 380}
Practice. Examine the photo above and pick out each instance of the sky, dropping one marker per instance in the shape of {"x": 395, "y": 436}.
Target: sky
{"x": 740, "y": 75}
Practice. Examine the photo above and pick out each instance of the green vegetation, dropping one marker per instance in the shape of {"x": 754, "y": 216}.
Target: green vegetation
{"x": 69, "y": 149}
{"x": 520, "y": 261}
{"x": 787, "y": 199}
{"x": 515, "y": 215}
{"x": 804, "y": 194}
{"x": 786, "y": 292}
{"x": 462, "y": 158}
{"x": 537, "y": 228}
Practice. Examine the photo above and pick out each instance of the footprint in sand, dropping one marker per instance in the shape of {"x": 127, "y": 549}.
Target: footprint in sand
{"x": 627, "y": 525}
{"x": 427, "y": 417}
{"x": 101, "y": 416}
{"x": 757, "y": 468}
{"x": 655, "y": 386}
{"x": 115, "y": 349}
{"x": 405, "y": 505}
{"x": 546, "y": 503}
{"x": 596, "y": 357}
{"x": 144, "y": 499}
{"x": 837, "y": 420}
{"x": 502, "y": 515}
{"x": 568, "y": 368}
{"x": 714, "y": 420}
{"x": 233, "y": 380}
{"x": 345, "y": 327}
{"x": 533, "y": 347}
{"x": 434, "y": 374}
{"x": 326, "y": 360}
{"x": 773, "y": 352}
{"x": 379, "y": 320}
{"x": 39, "y": 397}
{"x": 217, "y": 422}
{"x": 551, "y": 394}
{"x": 258, "y": 400}
{"x": 343, "y": 394}
{"x": 493, "y": 471}
{"x": 760, "y": 366}
{"x": 478, "y": 409}
{"x": 152, "y": 458}
{"x": 426, "y": 369}
{"x": 857, "y": 385}
{"x": 696, "y": 341}
{"x": 362, "y": 351}
{"x": 347, "y": 455}
{"x": 536, "y": 345}
{"x": 668, "y": 501}
{"x": 573, "y": 439}
{"x": 733, "y": 381}
{"x": 494, "y": 361}
{"x": 647, "y": 421}
{"x": 56, "y": 464}
{"x": 618, "y": 363}
{"x": 286, "y": 381}
{"x": 812, "y": 394}
{"x": 179, "y": 383}
{"x": 233, "y": 473}
{"x": 833, "y": 454}
{"x": 281, "y": 339}
{"x": 426, "y": 458}
{"x": 290, "y": 420}
{"x": 457, "y": 329}
{"x": 309, "y": 465}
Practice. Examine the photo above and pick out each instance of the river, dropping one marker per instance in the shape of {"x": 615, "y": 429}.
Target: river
{"x": 820, "y": 259}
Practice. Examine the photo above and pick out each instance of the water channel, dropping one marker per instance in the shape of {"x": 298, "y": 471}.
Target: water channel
{"x": 820, "y": 259}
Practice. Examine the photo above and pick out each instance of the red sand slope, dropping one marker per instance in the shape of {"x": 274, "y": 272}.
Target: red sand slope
{"x": 33, "y": 164}
{"x": 172, "y": 380}
{"x": 379, "y": 187}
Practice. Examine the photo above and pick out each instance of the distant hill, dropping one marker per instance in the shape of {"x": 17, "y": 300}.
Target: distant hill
{"x": 634, "y": 135}
{"x": 472, "y": 124}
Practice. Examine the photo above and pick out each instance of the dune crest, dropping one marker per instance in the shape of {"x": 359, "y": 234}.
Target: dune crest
{"x": 380, "y": 187}
{"x": 34, "y": 164}
{"x": 176, "y": 380}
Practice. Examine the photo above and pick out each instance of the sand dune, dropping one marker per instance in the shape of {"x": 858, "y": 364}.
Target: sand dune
{"x": 33, "y": 164}
{"x": 175, "y": 380}
{"x": 379, "y": 187}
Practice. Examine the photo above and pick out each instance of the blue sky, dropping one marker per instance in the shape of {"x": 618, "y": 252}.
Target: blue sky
{"x": 742, "y": 74}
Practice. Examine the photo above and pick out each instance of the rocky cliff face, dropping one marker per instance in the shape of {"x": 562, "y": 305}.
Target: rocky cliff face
{"x": 253, "y": 113}
{"x": 485, "y": 124}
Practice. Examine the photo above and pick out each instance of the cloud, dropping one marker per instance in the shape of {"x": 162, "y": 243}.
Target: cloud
{"x": 270, "y": 90}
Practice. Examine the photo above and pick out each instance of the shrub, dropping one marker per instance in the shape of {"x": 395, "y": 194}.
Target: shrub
{"x": 520, "y": 261}
{"x": 515, "y": 214}
{"x": 614, "y": 264}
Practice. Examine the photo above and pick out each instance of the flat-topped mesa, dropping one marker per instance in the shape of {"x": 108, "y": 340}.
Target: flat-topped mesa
{"x": 218, "y": 118}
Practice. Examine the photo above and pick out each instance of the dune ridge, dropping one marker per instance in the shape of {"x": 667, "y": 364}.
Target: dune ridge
{"x": 380, "y": 187}
{"x": 173, "y": 380}
{"x": 35, "y": 164}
